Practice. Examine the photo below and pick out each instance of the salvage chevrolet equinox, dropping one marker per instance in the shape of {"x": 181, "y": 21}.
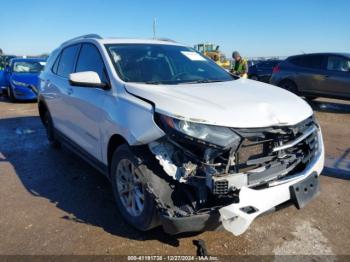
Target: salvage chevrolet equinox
{"x": 185, "y": 144}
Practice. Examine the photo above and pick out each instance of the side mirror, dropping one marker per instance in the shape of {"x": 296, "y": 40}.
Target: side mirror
{"x": 7, "y": 69}
{"x": 87, "y": 79}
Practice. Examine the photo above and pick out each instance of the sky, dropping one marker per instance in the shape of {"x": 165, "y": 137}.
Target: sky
{"x": 253, "y": 27}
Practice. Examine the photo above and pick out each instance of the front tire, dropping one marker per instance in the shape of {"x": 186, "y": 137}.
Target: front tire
{"x": 289, "y": 86}
{"x": 129, "y": 179}
{"x": 254, "y": 77}
{"x": 11, "y": 95}
{"x": 311, "y": 98}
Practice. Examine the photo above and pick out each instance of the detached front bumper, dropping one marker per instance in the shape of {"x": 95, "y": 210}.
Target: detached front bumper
{"x": 237, "y": 217}
{"x": 195, "y": 223}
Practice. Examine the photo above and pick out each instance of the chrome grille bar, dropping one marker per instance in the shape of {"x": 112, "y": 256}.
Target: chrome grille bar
{"x": 290, "y": 144}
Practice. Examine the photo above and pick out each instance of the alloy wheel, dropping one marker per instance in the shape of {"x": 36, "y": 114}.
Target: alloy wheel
{"x": 130, "y": 188}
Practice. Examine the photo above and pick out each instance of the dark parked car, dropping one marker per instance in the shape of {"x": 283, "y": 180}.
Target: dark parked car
{"x": 253, "y": 62}
{"x": 262, "y": 71}
{"x": 315, "y": 75}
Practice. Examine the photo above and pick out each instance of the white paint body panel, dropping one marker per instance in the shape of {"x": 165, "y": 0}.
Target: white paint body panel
{"x": 85, "y": 77}
{"x": 240, "y": 103}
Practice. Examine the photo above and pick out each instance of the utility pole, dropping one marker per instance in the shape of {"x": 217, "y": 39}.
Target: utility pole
{"x": 154, "y": 28}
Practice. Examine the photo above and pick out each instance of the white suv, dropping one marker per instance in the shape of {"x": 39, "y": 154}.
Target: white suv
{"x": 185, "y": 144}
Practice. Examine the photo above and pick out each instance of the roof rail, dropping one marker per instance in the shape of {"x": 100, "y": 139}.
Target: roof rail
{"x": 166, "y": 39}
{"x": 96, "y": 36}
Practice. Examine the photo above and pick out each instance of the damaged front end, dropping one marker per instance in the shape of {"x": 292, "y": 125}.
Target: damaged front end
{"x": 226, "y": 172}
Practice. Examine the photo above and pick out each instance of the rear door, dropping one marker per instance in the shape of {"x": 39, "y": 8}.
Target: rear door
{"x": 310, "y": 72}
{"x": 88, "y": 104}
{"x": 337, "y": 81}
{"x": 58, "y": 89}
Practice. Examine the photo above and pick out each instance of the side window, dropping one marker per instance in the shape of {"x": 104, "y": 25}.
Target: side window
{"x": 261, "y": 65}
{"x": 338, "y": 63}
{"x": 67, "y": 60}
{"x": 295, "y": 60}
{"x": 266, "y": 65}
{"x": 55, "y": 65}
{"x": 90, "y": 60}
{"x": 309, "y": 61}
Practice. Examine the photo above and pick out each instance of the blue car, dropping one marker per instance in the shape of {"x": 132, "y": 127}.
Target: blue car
{"x": 4, "y": 61}
{"x": 23, "y": 78}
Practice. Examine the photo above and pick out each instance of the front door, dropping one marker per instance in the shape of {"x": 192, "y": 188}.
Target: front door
{"x": 311, "y": 73}
{"x": 337, "y": 82}
{"x": 88, "y": 103}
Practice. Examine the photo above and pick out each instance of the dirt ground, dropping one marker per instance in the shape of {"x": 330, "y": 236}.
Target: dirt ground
{"x": 51, "y": 202}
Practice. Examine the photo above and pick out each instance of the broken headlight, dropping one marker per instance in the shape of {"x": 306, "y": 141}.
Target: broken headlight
{"x": 215, "y": 135}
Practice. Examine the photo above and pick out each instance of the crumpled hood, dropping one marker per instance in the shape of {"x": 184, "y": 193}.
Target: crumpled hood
{"x": 242, "y": 103}
{"x": 28, "y": 78}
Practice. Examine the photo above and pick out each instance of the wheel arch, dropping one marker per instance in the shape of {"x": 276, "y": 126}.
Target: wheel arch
{"x": 288, "y": 79}
{"x": 42, "y": 108}
{"x": 114, "y": 142}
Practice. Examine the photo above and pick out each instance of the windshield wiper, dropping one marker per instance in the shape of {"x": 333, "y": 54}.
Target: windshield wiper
{"x": 153, "y": 82}
{"x": 201, "y": 81}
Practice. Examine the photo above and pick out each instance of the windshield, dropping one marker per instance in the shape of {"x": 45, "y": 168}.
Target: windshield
{"x": 164, "y": 64}
{"x": 28, "y": 67}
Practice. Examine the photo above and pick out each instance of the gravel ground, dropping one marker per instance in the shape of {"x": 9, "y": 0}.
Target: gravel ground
{"x": 51, "y": 202}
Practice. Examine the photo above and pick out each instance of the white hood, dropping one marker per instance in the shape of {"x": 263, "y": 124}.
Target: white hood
{"x": 241, "y": 103}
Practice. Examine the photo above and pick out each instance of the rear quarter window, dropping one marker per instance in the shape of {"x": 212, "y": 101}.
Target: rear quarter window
{"x": 55, "y": 65}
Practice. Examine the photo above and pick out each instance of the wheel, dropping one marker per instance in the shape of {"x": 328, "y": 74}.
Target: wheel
{"x": 311, "y": 98}
{"x": 290, "y": 86}
{"x": 10, "y": 94}
{"x": 254, "y": 77}
{"x": 50, "y": 133}
{"x": 130, "y": 180}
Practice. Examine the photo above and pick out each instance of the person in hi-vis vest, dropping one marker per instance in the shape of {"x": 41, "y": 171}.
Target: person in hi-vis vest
{"x": 240, "y": 67}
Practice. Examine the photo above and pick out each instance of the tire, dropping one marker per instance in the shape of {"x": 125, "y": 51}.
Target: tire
{"x": 254, "y": 77}
{"x": 289, "y": 86}
{"x": 139, "y": 212}
{"x": 11, "y": 95}
{"x": 50, "y": 133}
{"x": 311, "y": 98}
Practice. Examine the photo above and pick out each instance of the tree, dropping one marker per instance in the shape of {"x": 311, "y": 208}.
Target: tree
{"x": 1, "y": 52}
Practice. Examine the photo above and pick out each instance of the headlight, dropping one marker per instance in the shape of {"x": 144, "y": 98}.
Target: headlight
{"x": 19, "y": 83}
{"x": 217, "y": 135}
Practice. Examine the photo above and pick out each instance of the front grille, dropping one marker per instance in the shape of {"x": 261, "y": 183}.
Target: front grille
{"x": 256, "y": 151}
